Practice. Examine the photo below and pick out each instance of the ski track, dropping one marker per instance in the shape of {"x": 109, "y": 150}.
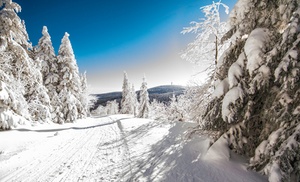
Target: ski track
{"x": 116, "y": 151}
{"x": 95, "y": 154}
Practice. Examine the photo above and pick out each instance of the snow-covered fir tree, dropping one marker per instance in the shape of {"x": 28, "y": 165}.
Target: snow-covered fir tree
{"x": 256, "y": 101}
{"x": 127, "y": 101}
{"x": 45, "y": 52}
{"x": 70, "y": 84}
{"x": 144, "y": 100}
{"x": 84, "y": 100}
{"x": 14, "y": 44}
{"x": 37, "y": 96}
{"x": 49, "y": 68}
{"x": 112, "y": 107}
{"x": 158, "y": 111}
{"x": 29, "y": 77}
{"x": 178, "y": 108}
{"x": 135, "y": 101}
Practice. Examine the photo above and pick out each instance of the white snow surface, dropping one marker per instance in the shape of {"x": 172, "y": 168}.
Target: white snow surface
{"x": 117, "y": 148}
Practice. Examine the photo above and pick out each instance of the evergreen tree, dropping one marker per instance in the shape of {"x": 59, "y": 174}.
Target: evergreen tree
{"x": 14, "y": 44}
{"x": 70, "y": 85}
{"x": 135, "y": 101}
{"x": 256, "y": 103}
{"x": 158, "y": 111}
{"x": 37, "y": 97}
{"x": 112, "y": 107}
{"x": 45, "y": 52}
{"x": 144, "y": 100}
{"x": 177, "y": 110}
{"x": 84, "y": 95}
{"x": 49, "y": 68}
{"x": 126, "y": 102}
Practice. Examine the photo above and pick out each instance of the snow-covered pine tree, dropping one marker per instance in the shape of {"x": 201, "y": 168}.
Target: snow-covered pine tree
{"x": 45, "y": 52}
{"x": 84, "y": 95}
{"x": 112, "y": 107}
{"x": 144, "y": 100}
{"x": 177, "y": 110}
{"x": 37, "y": 96}
{"x": 21, "y": 69}
{"x": 126, "y": 102}
{"x": 158, "y": 111}
{"x": 68, "y": 106}
{"x": 70, "y": 85}
{"x": 49, "y": 68}
{"x": 256, "y": 103}
{"x": 135, "y": 101}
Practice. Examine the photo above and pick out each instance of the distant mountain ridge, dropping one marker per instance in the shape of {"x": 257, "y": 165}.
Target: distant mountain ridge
{"x": 161, "y": 93}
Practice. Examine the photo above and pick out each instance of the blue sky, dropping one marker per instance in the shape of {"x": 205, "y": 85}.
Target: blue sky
{"x": 112, "y": 36}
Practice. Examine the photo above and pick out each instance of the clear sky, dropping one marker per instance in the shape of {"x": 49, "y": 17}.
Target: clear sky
{"x": 112, "y": 36}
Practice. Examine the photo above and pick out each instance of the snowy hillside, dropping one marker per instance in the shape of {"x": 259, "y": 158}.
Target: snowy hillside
{"x": 116, "y": 148}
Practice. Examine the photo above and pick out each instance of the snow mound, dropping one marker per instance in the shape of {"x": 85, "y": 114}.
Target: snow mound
{"x": 219, "y": 150}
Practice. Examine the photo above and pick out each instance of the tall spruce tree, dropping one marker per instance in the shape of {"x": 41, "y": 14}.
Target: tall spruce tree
{"x": 70, "y": 85}
{"x": 144, "y": 100}
{"x": 49, "y": 68}
{"x": 126, "y": 102}
{"x": 21, "y": 69}
{"x": 256, "y": 103}
{"x": 135, "y": 101}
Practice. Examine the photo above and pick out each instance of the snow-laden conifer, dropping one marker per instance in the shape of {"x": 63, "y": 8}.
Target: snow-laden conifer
{"x": 69, "y": 85}
{"x": 158, "y": 111}
{"x": 49, "y": 68}
{"x": 37, "y": 97}
{"x": 257, "y": 105}
{"x": 84, "y": 100}
{"x": 112, "y": 107}
{"x": 126, "y": 102}
{"x": 135, "y": 101}
{"x": 144, "y": 100}
{"x": 22, "y": 73}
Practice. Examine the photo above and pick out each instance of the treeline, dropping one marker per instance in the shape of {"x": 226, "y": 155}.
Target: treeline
{"x": 36, "y": 85}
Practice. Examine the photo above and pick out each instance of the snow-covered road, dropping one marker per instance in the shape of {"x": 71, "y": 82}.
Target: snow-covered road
{"x": 112, "y": 149}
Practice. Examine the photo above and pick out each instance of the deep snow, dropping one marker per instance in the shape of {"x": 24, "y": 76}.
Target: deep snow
{"x": 117, "y": 148}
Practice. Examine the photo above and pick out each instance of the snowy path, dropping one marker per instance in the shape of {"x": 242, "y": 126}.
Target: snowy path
{"x": 112, "y": 149}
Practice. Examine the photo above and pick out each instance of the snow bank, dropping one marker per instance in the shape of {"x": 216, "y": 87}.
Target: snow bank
{"x": 219, "y": 150}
